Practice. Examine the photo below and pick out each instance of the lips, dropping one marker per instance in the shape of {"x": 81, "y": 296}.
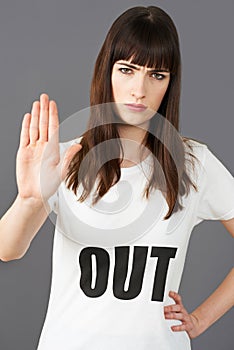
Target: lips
{"x": 136, "y": 107}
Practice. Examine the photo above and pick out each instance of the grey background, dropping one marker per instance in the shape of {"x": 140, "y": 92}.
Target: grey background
{"x": 51, "y": 46}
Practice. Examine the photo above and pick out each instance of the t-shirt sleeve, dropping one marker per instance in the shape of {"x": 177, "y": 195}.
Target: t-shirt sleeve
{"x": 53, "y": 202}
{"x": 216, "y": 190}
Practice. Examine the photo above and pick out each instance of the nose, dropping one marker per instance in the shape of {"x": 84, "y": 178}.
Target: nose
{"x": 138, "y": 89}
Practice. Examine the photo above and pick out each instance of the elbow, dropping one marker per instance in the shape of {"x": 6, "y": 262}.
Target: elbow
{"x": 7, "y": 259}
{"x": 9, "y": 253}
{"x": 10, "y": 257}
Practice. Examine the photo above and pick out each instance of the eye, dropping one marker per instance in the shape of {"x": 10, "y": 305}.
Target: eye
{"x": 125, "y": 70}
{"x": 158, "y": 76}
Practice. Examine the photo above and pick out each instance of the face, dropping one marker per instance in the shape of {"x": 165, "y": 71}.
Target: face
{"x": 138, "y": 91}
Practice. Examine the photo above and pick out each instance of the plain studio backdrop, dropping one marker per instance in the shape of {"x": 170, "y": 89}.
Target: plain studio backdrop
{"x": 51, "y": 46}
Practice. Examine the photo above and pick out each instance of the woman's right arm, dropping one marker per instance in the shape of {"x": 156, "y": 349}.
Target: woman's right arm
{"x": 39, "y": 172}
{"x": 19, "y": 225}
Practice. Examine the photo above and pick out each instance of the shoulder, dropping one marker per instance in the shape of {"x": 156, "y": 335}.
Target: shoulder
{"x": 209, "y": 166}
{"x": 202, "y": 151}
{"x": 193, "y": 144}
{"x": 195, "y": 149}
{"x": 195, "y": 158}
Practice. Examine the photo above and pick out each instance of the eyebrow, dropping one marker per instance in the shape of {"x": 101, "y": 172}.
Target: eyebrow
{"x": 149, "y": 70}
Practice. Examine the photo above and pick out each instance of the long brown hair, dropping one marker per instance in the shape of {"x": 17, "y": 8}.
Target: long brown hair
{"x": 147, "y": 36}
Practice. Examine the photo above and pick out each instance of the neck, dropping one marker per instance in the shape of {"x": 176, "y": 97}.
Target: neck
{"x": 131, "y": 139}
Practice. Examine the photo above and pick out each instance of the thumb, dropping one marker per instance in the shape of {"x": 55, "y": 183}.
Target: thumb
{"x": 67, "y": 157}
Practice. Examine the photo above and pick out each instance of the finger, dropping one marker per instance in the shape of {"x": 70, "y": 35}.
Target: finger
{"x": 173, "y": 308}
{"x": 179, "y": 328}
{"x": 177, "y": 298}
{"x": 24, "y": 134}
{"x": 33, "y": 129}
{"x": 67, "y": 157}
{"x": 174, "y": 316}
{"x": 53, "y": 122}
{"x": 44, "y": 117}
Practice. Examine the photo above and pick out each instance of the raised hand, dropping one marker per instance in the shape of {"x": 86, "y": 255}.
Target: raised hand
{"x": 177, "y": 311}
{"x": 39, "y": 168}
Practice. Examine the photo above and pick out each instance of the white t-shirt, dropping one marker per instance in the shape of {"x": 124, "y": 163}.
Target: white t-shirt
{"x": 114, "y": 263}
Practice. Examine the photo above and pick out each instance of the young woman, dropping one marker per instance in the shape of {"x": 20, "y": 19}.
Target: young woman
{"x": 127, "y": 195}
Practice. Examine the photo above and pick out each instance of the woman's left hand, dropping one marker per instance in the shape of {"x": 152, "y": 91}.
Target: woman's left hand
{"x": 177, "y": 311}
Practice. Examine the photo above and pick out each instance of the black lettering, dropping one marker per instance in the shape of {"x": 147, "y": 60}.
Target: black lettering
{"x": 164, "y": 255}
{"x": 102, "y": 270}
{"x": 121, "y": 270}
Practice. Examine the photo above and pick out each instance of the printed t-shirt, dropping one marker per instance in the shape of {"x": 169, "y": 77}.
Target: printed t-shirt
{"x": 114, "y": 263}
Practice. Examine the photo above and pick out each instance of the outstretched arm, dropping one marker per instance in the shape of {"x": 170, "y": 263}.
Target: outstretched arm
{"x": 39, "y": 171}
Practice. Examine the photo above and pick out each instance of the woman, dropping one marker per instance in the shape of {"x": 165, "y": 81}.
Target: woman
{"x": 119, "y": 251}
